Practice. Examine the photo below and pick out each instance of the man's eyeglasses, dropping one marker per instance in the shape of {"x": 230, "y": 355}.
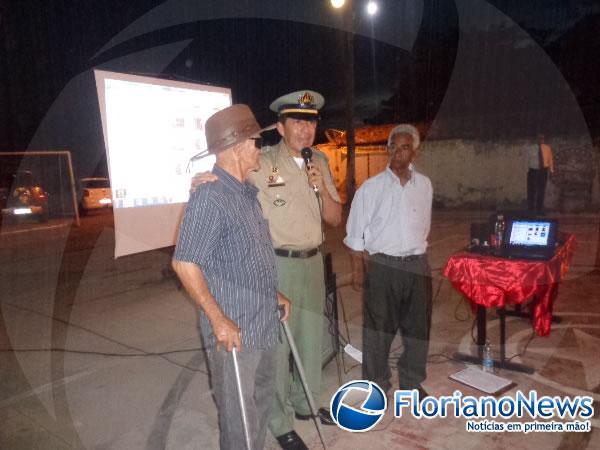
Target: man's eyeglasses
{"x": 258, "y": 142}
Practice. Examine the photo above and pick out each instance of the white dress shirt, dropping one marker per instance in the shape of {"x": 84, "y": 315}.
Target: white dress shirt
{"x": 533, "y": 156}
{"x": 389, "y": 218}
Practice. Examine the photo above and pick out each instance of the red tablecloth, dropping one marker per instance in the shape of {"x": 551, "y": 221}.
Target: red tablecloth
{"x": 496, "y": 282}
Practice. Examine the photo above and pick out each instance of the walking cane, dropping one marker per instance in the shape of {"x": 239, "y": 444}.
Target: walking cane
{"x": 242, "y": 404}
{"x": 300, "y": 368}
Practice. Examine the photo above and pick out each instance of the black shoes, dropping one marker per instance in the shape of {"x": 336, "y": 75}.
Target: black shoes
{"x": 323, "y": 414}
{"x": 291, "y": 441}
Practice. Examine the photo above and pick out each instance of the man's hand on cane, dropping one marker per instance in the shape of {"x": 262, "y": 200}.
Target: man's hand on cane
{"x": 227, "y": 334}
{"x": 284, "y": 307}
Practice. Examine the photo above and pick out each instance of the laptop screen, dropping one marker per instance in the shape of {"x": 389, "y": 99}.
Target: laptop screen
{"x": 530, "y": 238}
{"x": 528, "y": 233}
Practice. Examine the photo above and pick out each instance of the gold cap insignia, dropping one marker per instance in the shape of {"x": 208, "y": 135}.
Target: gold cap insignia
{"x": 306, "y": 99}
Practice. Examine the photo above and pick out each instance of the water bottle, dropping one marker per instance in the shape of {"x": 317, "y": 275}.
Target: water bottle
{"x": 487, "y": 362}
{"x": 499, "y": 230}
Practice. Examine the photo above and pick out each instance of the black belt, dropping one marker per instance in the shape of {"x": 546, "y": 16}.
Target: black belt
{"x": 296, "y": 253}
{"x": 398, "y": 258}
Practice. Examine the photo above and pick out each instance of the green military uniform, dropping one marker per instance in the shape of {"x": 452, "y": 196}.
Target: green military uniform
{"x": 292, "y": 209}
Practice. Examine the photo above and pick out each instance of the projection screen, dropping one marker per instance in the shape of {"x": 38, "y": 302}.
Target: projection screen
{"x": 152, "y": 127}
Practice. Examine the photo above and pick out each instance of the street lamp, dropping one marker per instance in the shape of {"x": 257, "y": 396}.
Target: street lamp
{"x": 372, "y": 8}
{"x": 349, "y": 58}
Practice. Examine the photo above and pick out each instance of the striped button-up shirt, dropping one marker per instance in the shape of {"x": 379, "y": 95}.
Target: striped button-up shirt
{"x": 224, "y": 233}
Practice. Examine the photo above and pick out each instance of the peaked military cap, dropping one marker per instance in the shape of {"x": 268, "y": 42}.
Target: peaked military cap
{"x": 302, "y": 104}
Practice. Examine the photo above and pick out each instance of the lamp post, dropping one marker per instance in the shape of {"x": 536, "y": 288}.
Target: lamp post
{"x": 349, "y": 75}
{"x": 348, "y": 19}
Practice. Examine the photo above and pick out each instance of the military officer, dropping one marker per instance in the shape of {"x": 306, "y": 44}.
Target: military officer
{"x": 296, "y": 200}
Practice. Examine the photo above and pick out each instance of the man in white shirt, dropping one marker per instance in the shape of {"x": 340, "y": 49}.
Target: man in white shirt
{"x": 387, "y": 233}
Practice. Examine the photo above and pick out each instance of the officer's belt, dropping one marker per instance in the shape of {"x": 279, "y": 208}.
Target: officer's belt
{"x": 296, "y": 253}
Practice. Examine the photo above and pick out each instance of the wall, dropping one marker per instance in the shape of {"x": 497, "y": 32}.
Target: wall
{"x": 488, "y": 175}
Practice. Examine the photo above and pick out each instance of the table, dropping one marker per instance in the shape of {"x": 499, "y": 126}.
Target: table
{"x": 492, "y": 282}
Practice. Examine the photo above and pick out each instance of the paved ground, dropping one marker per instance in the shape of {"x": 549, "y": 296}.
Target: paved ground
{"x": 104, "y": 354}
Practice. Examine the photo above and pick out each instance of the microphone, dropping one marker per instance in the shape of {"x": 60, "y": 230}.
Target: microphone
{"x": 306, "y": 153}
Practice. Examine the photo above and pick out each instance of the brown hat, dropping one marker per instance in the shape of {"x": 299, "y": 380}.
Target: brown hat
{"x": 231, "y": 126}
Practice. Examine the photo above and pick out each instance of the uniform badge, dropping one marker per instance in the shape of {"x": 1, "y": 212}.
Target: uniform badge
{"x": 279, "y": 201}
{"x": 275, "y": 179}
{"x": 306, "y": 99}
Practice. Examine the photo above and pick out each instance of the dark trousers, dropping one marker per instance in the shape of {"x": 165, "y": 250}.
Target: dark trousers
{"x": 536, "y": 188}
{"x": 397, "y": 297}
{"x": 257, "y": 374}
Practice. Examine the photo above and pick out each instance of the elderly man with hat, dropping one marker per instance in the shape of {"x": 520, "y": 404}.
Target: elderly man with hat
{"x": 296, "y": 200}
{"x": 388, "y": 225}
{"x": 225, "y": 260}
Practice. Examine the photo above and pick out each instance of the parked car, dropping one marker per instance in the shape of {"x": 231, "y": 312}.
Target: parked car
{"x": 24, "y": 198}
{"x": 95, "y": 194}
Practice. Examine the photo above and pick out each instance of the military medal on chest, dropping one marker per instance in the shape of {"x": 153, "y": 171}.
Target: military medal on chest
{"x": 275, "y": 179}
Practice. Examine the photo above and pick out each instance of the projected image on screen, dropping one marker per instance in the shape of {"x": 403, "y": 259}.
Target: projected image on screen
{"x": 153, "y": 130}
{"x": 529, "y": 233}
{"x": 152, "y": 127}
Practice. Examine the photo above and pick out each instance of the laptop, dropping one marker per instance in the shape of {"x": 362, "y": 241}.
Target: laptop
{"x": 530, "y": 239}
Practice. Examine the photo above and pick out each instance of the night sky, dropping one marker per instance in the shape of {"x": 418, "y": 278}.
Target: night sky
{"x": 473, "y": 69}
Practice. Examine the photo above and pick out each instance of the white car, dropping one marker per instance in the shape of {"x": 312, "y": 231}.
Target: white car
{"x": 95, "y": 194}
